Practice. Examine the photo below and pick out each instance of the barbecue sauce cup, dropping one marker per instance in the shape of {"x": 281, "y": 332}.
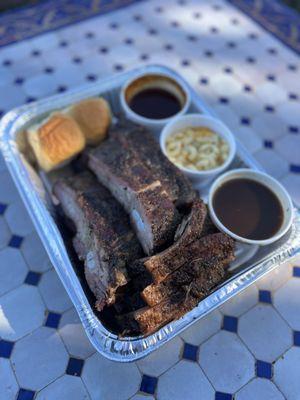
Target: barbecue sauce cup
{"x": 153, "y": 100}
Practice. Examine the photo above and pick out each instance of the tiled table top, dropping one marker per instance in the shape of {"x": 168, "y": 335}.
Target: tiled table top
{"x": 249, "y": 348}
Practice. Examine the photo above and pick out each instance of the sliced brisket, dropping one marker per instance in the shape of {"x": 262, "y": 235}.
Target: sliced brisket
{"x": 104, "y": 239}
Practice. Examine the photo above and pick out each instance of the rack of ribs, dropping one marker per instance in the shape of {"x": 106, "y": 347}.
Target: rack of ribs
{"x": 137, "y": 177}
{"x": 104, "y": 239}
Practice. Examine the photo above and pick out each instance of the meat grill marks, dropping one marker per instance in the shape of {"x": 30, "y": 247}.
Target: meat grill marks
{"x": 160, "y": 265}
{"x": 137, "y": 138}
{"x": 212, "y": 249}
{"x": 204, "y": 276}
{"x": 104, "y": 239}
{"x": 147, "y": 186}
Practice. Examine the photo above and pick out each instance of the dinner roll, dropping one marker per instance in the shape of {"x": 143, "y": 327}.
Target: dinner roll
{"x": 55, "y": 141}
{"x": 94, "y": 117}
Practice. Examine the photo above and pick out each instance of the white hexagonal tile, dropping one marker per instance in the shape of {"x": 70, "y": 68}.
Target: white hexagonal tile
{"x": 35, "y": 254}
{"x": 21, "y": 311}
{"x": 227, "y": 362}
{"x": 39, "y": 358}
{"x": 287, "y": 302}
{"x": 53, "y": 292}
{"x": 73, "y": 335}
{"x": 259, "y": 389}
{"x": 271, "y": 93}
{"x": 203, "y": 329}
{"x": 273, "y": 163}
{"x": 8, "y": 384}
{"x": 289, "y": 112}
{"x": 13, "y": 269}
{"x": 5, "y": 233}
{"x": 40, "y": 85}
{"x": 268, "y": 127}
{"x": 257, "y": 328}
{"x": 288, "y": 147}
{"x": 185, "y": 380}
{"x": 292, "y": 184}
{"x": 276, "y": 278}
{"x": 162, "y": 359}
{"x": 142, "y": 397}
{"x": 10, "y": 193}
{"x": 66, "y": 387}
{"x": 110, "y": 380}
{"x": 249, "y": 138}
{"x": 241, "y": 303}
{"x": 18, "y": 219}
{"x": 225, "y": 85}
{"x": 286, "y": 374}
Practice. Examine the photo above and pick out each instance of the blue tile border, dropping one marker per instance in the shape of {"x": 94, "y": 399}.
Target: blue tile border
{"x": 274, "y": 16}
{"x": 29, "y": 21}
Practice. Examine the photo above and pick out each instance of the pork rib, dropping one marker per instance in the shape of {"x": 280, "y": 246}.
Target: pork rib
{"x": 104, "y": 239}
{"x": 145, "y": 198}
{"x": 217, "y": 247}
{"x": 137, "y": 138}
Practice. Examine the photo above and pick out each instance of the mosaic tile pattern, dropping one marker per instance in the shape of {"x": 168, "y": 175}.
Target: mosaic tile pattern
{"x": 249, "y": 347}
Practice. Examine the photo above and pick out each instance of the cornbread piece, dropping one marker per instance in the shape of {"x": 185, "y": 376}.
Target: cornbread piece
{"x": 55, "y": 141}
{"x": 146, "y": 199}
{"x": 104, "y": 239}
{"x": 181, "y": 300}
{"x": 215, "y": 249}
{"x": 137, "y": 138}
{"x": 94, "y": 117}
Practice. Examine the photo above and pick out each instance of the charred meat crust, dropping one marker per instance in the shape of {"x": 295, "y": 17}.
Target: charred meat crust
{"x": 104, "y": 239}
{"x": 217, "y": 248}
{"x": 133, "y": 183}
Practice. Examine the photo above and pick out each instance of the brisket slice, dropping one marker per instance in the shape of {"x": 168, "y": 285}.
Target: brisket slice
{"x": 149, "y": 319}
{"x": 138, "y": 139}
{"x": 214, "y": 251}
{"x": 145, "y": 198}
{"x": 160, "y": 265}
{"x": 104, "y": 239}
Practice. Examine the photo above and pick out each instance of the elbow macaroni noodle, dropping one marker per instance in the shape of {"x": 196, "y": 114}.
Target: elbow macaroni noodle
{"x": 197, "y": 148}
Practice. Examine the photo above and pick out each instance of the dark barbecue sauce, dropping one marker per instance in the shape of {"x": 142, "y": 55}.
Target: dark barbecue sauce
{"x": 155, "y": 104}
{"x": 248, "y": 209}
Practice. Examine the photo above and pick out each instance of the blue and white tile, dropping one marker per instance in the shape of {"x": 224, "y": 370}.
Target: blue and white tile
{"x": 21, "y": 311}
{"x": 286, "y": 373}
{"x": 34, "y": 253}
{"x": 288, "y": 147}
{"x": 185, "y": 380}
{"x": 142, "y": 397}
{"x": 240, "y": 304}
{"x": 273, "y": 164}
{"x": 13, "y": 269}
{"x": 66, "y": 387}
{"x": 8, "y": 384}
{"x": 289, "y": 112}
{"x": 292, "y": 184}
{"x": 227, "y": 362}
{"x": 276, "y": 278}
{"x": 161, "y": 360}
{"x": 104, "y": 378}
{"x": 39, "y": 358}
{"x": 203, "y": 329}
{"x": 249, "y": 138}
{"x": 9, "y": 195}
{"x": 40, "y": 85}
{"x": 259, "y": 389}
{"x": 18, "y": 219}
{"x": 5, "y": 233}
{"x": 53, "y": 292}
{"x": 14, "y": 96}
{"x": 287, "y": 302}
{"x": 73, "y": 335}
{"x": 268, "y": 127}
{"x": 257, "y": 327}
{"x": 271, "y": 93}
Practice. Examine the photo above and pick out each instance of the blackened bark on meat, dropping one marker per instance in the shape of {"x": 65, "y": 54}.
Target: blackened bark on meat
{"x": 146, "y": 199}
{"x": 215, "y": 250}
{"x": 136, "y": 138}
{"x": 104, "y": 239}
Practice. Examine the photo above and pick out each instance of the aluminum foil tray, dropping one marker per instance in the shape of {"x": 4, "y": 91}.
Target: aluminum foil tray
{"x": 252, "y": 263}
